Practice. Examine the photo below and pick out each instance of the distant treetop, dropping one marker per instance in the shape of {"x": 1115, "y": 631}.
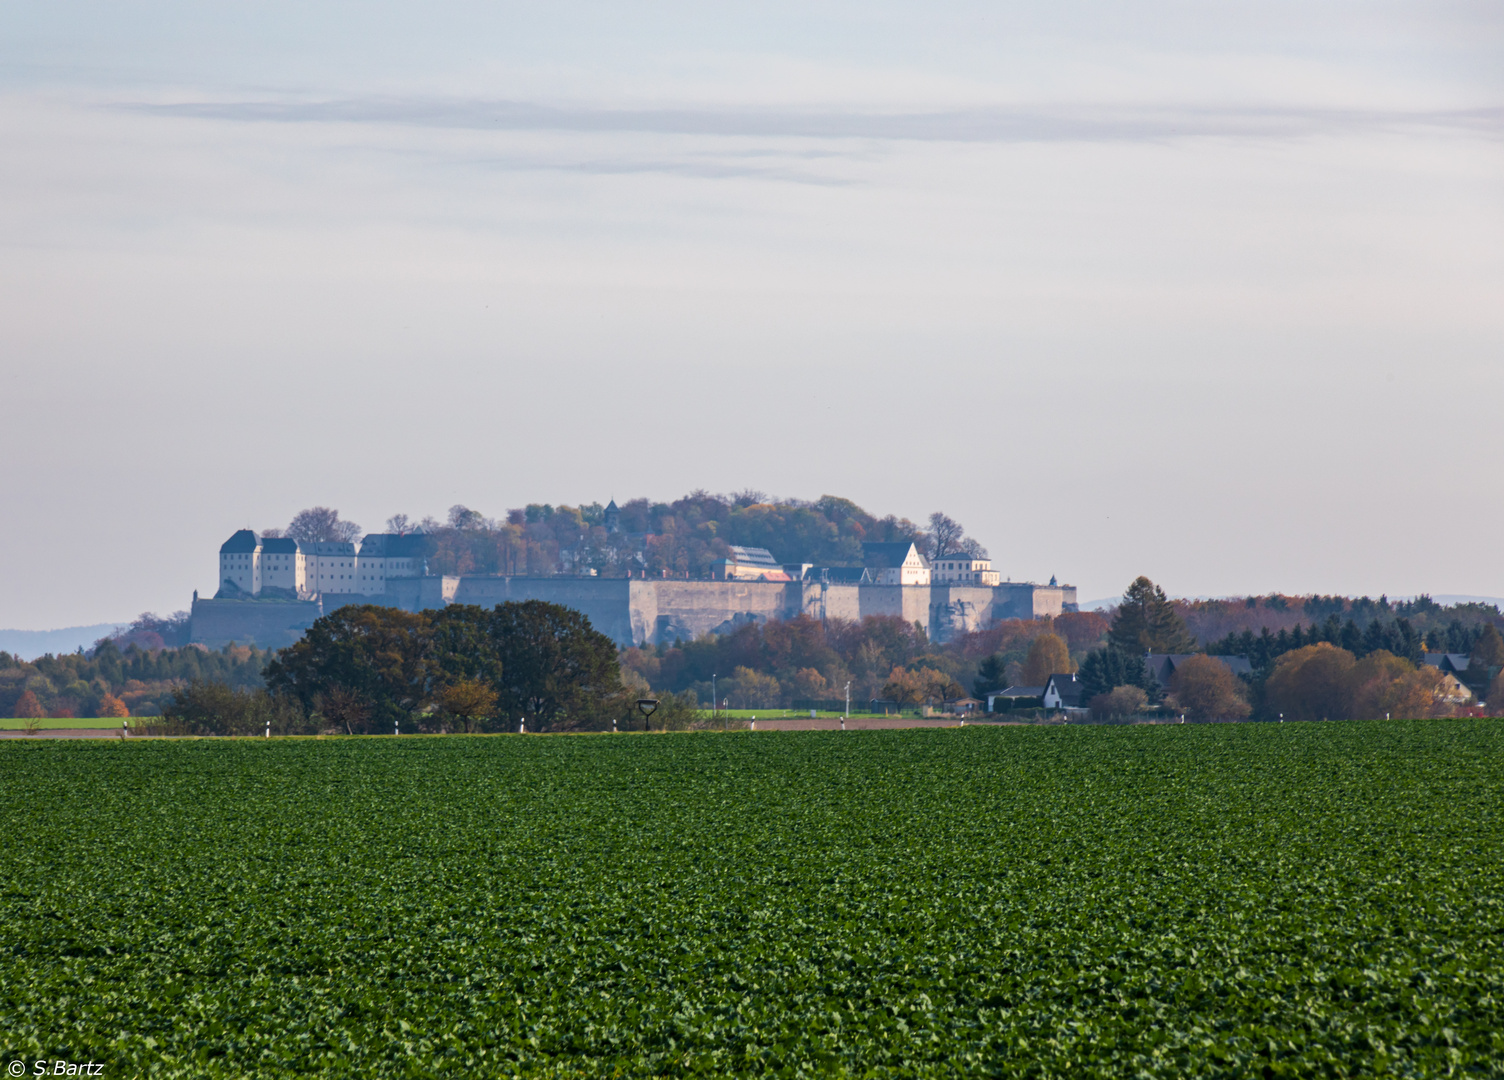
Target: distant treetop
{"x": 683, "y": 537}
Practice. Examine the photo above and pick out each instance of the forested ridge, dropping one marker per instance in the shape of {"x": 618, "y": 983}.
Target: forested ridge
{"x": 682, "y": 538}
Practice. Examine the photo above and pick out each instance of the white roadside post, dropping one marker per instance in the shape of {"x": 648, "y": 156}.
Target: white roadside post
{"x": 268, "y": 727}
{"x": 124, "y": 728}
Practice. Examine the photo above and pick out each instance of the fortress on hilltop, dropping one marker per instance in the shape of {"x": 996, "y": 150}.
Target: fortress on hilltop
{"x": 271, "y": 589}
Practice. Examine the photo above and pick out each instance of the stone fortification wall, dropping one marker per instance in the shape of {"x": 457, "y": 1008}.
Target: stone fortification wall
{"x": 604, "y": 601}
{"x": 671, "y": 610}
{"x": 267, "y": 624}
{"x": 633, "y": 611}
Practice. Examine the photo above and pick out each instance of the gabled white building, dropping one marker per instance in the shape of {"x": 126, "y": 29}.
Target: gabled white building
{"x": 896, "y": 564}
{"x": 252, "y": 565}
{"x": 963, "y": 570}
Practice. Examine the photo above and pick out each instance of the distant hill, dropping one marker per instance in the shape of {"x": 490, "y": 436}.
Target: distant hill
{"x": 29, "y": 644}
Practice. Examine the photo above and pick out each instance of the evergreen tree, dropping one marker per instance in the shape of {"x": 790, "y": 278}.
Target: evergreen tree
{"x": 992, "y": 676}
{"x": 1488, "y": 650}
{"x": 1103, "y": 670}
{"x": 1146, "y": 621}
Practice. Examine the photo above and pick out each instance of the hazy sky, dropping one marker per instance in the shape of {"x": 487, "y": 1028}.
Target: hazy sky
{"x": 1212, "y": 292}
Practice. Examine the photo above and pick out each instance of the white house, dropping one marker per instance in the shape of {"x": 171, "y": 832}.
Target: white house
{"x": 963, "y": 570}
{"x": 1062, "y": 692}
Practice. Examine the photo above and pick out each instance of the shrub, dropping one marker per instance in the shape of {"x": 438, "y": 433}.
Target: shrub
{"x": 1120, "y": 701}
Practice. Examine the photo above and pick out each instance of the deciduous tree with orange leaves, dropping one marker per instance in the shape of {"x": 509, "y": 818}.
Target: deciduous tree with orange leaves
{"x": 1205, "y": 689}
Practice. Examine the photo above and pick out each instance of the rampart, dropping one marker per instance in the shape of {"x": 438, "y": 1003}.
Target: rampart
{"x": 266, "y": 624}
{"x": 634, "y": 611}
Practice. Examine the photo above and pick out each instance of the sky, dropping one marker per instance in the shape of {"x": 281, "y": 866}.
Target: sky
{"x": 1209, "y": 292}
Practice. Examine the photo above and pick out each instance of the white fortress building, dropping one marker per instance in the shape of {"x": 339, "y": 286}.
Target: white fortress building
{"x": 271, "y": 589}
{"x": 255, "y": 566}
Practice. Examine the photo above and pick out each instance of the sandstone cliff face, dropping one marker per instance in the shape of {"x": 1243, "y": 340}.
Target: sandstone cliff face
{"x": 634, "y": 611}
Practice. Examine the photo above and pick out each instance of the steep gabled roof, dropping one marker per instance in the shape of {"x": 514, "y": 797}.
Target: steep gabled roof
{"x": 890, "y": 556}
{"x": 243, "y": 542}
{"x": 1163, "y": 665}
{"x": 1448, "y": 661}
{"x": 331, "y": 547}
{"x": 279, "y": 545}
{"x": 392, "y": 545}
{"x": 1066, "y": 686}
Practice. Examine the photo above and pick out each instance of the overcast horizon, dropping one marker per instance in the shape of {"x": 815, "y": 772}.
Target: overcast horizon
{"x": 1193, "y": 291}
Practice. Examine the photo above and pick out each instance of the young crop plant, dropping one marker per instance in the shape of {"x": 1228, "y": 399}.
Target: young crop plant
{"x": 1221, "y": 900}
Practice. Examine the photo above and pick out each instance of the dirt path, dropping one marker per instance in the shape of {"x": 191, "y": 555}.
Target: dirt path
{"x": 67, "y": 733}
{"x": 862, "y": 723}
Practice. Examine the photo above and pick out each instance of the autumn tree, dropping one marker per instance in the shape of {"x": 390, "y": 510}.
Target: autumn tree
{"x": 360, "y": 655}
{"x": 1146, "y": 621}
{"x": 469, "y": 701}
{"x": 754, "y": 689}
{"x": 110, "y": 705}
{"x": 27, "y": 707}
{"x": 810, "y": 684}
{"x": 1312, "y": 683}
{"x": 1495, "y": 699}
{"x": 1048, "y": 655}
{"x": 1117, "y": 703}
{"x": 1204, "y": 688}
{"x": 1321, "y": 681}
{"x": 557, "y": 669}
{"x": 1387, "y": 685}
{"x": 925, "y": 686}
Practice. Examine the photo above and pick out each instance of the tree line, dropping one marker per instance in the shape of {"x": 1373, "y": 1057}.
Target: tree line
{"x": 112, "y": 680}
{"x": 369, "y": 669}
{"x": 1331, "y": 671}
{"x": 679, "y": 538}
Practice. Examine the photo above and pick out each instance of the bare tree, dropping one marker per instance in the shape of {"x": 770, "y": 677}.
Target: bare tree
{"x": 971, "y": 549}
{"x": 462, "y": 517}
{"x": 319, "y": 524}
{"x": 343, "y": 707}
{"x": 399, "y": 524}
{"x": 270, "y": 534}
{"x": 945, "y": 536}
{"x": 748, "y": 497}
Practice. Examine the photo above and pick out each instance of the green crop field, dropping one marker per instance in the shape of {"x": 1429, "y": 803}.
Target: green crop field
{"x": 1225, "y": 900}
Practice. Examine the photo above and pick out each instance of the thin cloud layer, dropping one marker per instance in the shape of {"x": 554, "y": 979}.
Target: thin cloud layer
{"x": 998, "y": 125}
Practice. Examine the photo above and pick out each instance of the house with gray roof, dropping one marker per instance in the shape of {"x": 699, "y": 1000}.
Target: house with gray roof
{"x": 1161, "y": 666}
{"x": 899, "y": 563}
